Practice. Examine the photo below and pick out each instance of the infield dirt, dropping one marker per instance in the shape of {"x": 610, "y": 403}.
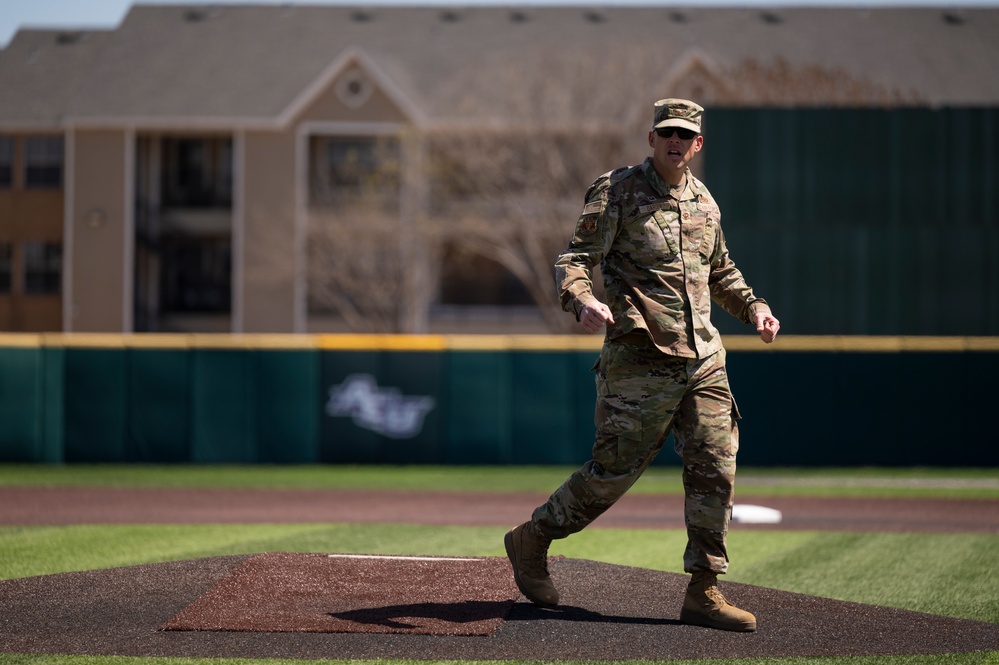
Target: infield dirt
{"x": 608, "y": 612}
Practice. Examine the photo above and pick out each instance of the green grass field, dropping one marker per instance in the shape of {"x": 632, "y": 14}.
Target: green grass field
{"x": 952, "y": 575}
{"x": 964, "y": 483}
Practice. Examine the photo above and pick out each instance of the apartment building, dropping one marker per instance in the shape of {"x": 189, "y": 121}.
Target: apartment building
{"x": 164, "y": 175}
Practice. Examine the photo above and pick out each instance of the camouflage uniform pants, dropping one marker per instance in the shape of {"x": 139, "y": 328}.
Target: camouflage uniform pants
{"x": 642, "y": 394}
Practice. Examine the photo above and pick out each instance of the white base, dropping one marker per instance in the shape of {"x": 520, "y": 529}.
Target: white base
{"x": 749, "y": 514}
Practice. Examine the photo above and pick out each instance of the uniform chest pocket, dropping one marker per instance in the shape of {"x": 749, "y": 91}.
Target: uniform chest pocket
{"x": 652, "y": 236}
{"x": 709, "y": 235}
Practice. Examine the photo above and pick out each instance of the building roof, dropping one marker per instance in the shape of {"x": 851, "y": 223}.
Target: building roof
{"x": 41, "y": 71}
{"x": 248, "y": 65}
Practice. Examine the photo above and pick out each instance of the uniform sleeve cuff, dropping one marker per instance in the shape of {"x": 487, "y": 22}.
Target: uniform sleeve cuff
{"x": 757, "y": 307}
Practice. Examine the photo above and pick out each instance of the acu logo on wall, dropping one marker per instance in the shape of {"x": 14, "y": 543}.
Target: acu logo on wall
{"x": 383, "y": 410}
{"x": 381, "y": 407}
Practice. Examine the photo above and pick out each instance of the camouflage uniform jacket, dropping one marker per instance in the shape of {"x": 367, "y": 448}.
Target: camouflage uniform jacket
{"x": 663, "y": 259}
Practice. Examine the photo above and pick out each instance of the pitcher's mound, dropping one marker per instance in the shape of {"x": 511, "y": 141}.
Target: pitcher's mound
{"x": 345, "y": 593}
{"x": 312, "y": 606}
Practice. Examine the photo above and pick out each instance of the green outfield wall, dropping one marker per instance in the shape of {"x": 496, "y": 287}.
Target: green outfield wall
{"x": 355, "y": 399}
{"x": 882, "y": 245}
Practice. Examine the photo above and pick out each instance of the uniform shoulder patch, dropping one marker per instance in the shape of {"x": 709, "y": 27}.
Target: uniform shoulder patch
{"x": 593, "y": 208}
{"x": 587, "y": 225}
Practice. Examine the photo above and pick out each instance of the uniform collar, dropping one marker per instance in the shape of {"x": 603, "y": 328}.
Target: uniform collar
{"x": 688, "y": 188}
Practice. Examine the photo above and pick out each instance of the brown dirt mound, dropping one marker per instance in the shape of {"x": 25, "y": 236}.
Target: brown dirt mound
{"x": 341, "y": 593}
{"x": 608, "y": 612}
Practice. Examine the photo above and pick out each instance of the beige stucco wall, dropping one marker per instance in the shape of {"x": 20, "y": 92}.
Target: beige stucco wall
{"x": 272, "y": 215}
{"x": 100, "y": 267}
{"x": 379, "y": 107}
{"x": 269, "y": 219}
{"x": 268, "y": 228}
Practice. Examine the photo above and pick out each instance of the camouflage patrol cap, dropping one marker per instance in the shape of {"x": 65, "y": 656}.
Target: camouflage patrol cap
{"x": 678, "y": 113}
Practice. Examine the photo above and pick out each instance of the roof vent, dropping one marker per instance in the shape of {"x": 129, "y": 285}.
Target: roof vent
{"x": 519, "y": 17}
{"x": 67, "y": 38}
{"x": 950, "y": 18}
{"x": 354, "y": 88}
{"x": 450, "y": 17}
{"x": 595, "y": 17}
{"x": 678, "y": 17}
{"x": 199, "y": 14}
{"x": 361, "y": 16}
{"x": 771, "y": 18}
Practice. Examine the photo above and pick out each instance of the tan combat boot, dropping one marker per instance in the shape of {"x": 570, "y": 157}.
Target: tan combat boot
{"x": 704, "y": 605}
{"x": 528, "y": 552}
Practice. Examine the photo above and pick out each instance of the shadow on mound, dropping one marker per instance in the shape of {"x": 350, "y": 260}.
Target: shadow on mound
{"x": 608, "y": 612}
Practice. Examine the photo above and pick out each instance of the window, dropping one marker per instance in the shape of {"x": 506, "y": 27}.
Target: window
{"x": 42, "y": 267}
{"x": 6, "y": 161}
{"x": 43, "y": 161}
{"x": 351, "y": 169}
{"x": 197, "y": 172}
{"x": 6, "y": 266}
{"x": 197, "y": 274}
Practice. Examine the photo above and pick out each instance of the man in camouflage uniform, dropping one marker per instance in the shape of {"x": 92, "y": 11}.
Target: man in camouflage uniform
{"x": 655, "y": 232}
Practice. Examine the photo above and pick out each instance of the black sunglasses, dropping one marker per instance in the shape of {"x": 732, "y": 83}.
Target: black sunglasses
{"x": 684, "y": 134}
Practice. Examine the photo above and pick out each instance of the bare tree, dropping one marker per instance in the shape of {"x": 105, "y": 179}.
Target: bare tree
{"x": 509, "y": 186}
{"x": 370, "y": 259}
{"x": 512, "y": 196}
{"x": 506, "y": 192}
{"x": 781, "y": 83}
{"x": 361, "y": 265}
